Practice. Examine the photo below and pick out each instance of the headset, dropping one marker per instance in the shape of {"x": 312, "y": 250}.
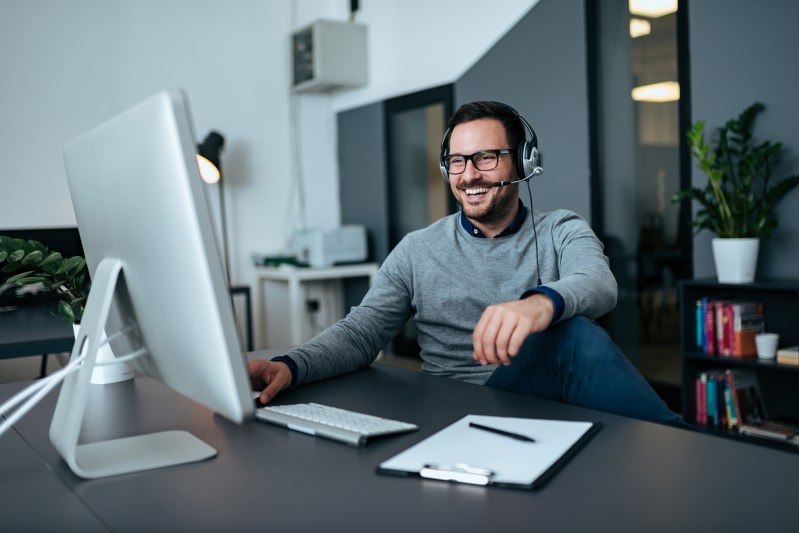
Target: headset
{"x": 528, "y": 164}
{"x": 528, "y": 159}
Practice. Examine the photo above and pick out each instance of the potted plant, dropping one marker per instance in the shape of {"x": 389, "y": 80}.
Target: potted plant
{"x": 738, "y": 200}
{"x": 69, "y": 279}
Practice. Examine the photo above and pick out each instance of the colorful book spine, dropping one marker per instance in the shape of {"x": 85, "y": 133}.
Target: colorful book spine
{"x": 748, "y": 319}
{"x": 709, "y": 308}
{"x": 728, "y": 405}
{"x": 701, "y": 399}
{"x": 699, "y": 325}
{"x": 720, "y": 402}
{"x": 721, "y": 319}
{"x": 712, "y": 411}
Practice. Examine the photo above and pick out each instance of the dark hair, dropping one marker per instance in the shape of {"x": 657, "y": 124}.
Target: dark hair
{"x": 514, "y": 128}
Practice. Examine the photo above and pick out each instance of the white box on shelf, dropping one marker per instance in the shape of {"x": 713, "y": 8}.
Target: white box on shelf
{"x": 327, "y": 247}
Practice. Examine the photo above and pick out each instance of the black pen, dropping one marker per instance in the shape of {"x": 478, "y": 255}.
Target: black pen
{"x": 502, "y": 432}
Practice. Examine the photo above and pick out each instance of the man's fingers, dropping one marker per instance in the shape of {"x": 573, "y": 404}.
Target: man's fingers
{"x": 484, "y": 337}
{"x": 481, "y": 352}
{"x": 501, "y": 331}
{"x": 503, "y": 339}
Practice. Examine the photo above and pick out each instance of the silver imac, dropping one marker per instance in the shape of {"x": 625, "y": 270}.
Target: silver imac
{"x": 159, "y": 288}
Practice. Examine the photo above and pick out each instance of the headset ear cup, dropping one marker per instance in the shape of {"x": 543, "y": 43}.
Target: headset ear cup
{"x": 535, "y": 161}
{"x": 527, "y": 159}
{"x": 520, "y": 160}
{"x": 442, "y": 153}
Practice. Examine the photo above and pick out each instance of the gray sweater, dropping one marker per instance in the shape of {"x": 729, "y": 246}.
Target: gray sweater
{"x": 444, "y": 278}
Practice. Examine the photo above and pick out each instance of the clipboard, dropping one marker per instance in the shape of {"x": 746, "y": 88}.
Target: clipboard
{"x": 465, "y": 454}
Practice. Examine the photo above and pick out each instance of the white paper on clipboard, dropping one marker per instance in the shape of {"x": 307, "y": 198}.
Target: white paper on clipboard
{"x": 464, "y": 450}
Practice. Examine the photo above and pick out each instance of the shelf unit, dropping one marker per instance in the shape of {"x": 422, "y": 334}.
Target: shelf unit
{"x": 779, "y": 384}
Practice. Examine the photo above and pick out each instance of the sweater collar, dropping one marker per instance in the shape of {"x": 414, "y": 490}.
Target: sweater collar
{"x": 510, "y": 230}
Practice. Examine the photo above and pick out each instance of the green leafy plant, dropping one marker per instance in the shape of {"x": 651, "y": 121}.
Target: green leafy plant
{"x": 34, "y": 263}
{"x": 739, "y": 197}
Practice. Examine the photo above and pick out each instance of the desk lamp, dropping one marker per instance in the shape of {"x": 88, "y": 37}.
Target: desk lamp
{"x": 209, "y": 160}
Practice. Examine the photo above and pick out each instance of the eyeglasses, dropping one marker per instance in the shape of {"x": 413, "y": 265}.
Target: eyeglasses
{"x": 482, "y": 160}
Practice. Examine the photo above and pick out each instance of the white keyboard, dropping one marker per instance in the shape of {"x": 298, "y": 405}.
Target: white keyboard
{"x": 342, "y": 425}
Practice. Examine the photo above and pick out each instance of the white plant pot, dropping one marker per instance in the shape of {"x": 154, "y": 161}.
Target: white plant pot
{"x": 736, "y": 259}
{"x": 107, "y": 373}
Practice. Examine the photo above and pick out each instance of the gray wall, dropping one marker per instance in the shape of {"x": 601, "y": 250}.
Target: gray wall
{"x": 539, "y": 67}
{"x": 363, "y": 184}
{"x": 362, "y": 167}
{"x": 743, "y": 51}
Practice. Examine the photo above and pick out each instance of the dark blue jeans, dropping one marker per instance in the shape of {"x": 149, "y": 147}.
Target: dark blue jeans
{"x": 576, "y": 362}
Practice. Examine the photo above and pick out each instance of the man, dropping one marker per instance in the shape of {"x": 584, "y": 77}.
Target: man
{"x": 496, "y": 301}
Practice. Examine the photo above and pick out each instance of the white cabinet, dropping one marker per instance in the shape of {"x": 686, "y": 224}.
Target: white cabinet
{"x": 282, "y": 316}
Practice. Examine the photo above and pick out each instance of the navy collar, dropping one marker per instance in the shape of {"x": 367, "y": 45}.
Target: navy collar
{"x": 510, "y": 230}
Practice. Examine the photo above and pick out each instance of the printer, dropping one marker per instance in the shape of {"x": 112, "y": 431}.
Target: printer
{"x": 326, "y": 247}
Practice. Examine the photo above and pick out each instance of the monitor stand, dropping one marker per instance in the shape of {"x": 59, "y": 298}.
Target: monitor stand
{"x": 117, "y": 456}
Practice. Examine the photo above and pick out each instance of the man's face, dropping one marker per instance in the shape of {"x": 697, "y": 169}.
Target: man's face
{"x": 472, "y": 189}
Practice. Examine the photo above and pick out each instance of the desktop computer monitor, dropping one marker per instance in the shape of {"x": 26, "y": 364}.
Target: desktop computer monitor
{"x": 158, "y": 283}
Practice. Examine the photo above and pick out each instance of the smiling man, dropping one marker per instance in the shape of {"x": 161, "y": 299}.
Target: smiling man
{"x": 501, "y": 295}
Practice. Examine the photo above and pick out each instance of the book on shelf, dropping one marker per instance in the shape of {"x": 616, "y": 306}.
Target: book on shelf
{"x": 750, "y": 412}
{"x": 712, "y": 409}
{"x": 701, "y": 399}
{"x": 727, "y": 326}
{"x": 788, "y": 355}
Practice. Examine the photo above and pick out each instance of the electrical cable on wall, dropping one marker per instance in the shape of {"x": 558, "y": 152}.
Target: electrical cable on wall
{"x": 296, "y": 201}
{"x": 295, "y": 218}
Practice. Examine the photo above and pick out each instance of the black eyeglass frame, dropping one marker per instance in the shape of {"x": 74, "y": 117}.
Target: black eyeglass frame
{"x": 502, "y": 151}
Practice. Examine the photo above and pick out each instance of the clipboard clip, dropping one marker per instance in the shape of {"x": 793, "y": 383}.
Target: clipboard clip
{"x": 459, "y": 472}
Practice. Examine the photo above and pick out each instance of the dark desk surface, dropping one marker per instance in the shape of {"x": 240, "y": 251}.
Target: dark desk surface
{"x": 33, "y": 330}
{"x": 633, "y": 475}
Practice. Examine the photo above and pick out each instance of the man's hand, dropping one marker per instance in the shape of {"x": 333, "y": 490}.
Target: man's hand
{"x": 501, "y": 330}
{"x": 270, "y": 377}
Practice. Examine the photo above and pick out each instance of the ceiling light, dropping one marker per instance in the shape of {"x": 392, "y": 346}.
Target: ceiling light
{"x": 652, "y": 8}
{"x": 639, "y": 28}
{"x": 666, "y": 91}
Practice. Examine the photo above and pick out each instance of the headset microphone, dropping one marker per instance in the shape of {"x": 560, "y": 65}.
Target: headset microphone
{"x": 536, "y": 172}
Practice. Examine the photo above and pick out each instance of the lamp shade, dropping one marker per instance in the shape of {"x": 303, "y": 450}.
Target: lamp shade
{"x": 208, "y": 157}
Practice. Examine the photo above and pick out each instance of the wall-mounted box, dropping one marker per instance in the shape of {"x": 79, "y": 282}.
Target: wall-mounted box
{"x": 329, "y": 55}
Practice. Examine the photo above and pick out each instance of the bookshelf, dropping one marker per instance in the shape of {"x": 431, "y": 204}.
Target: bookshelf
{"x": 779, "y": 383}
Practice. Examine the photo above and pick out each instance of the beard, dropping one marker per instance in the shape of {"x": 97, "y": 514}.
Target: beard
{"x": 495, "y": 210}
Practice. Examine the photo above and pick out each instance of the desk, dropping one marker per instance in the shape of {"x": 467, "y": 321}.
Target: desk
{"x": 32, "y": 330}
{"x": 632, "y": 476}
{"x": 294, "y": 278}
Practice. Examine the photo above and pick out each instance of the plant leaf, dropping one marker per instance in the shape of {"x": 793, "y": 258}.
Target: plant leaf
{"x": 16, "y": 256}
{"x": 11, "y": 267}
{"x": 69, "y": 264}
{"x": 65, "y": 311}
{"x": 31, "y": 280}
{"x": 33, "y": 258}
{"x": 21, "y": 275}
{"x": 52, "y": 258}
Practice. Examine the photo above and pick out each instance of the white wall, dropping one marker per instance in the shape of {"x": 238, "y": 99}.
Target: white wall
{"x": 67, "y": 66}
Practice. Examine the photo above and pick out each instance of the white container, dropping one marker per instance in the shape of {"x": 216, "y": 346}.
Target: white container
{"x": 767, "y": 345}
{"x": 736, "y": 259}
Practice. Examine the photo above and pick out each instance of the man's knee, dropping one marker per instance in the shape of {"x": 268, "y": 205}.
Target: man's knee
{"x": 575, "y": 336}
{"x": 577, "y": 330}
